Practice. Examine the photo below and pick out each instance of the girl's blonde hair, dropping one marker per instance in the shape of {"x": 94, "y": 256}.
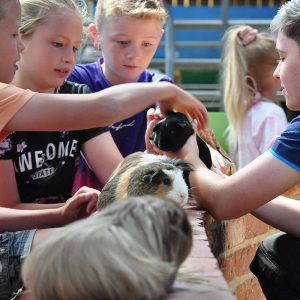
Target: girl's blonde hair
{"x": 130, "y": 250}
{"x": 142, "y": 9}
{"x": 238, "y": 63}
{"x": 35, "y": 12}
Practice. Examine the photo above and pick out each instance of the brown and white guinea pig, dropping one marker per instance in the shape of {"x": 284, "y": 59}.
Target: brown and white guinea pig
{"x": 147, "y": 174}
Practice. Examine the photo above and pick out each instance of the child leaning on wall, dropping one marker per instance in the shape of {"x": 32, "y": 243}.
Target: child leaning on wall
{"x": 248, "y": 62}
{"x": 257, "y": 187}
{"x": 128, "y": 33}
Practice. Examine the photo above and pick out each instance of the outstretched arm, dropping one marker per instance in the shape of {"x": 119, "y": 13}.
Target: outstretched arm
{"x": 71, "y": 112}
{"x": 17, "y": 216}
{"x": 251, "y": 187}
{"x": 282, "y": 213}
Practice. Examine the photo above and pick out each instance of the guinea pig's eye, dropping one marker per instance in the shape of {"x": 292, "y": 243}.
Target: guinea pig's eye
{"x": 166, "y": 181}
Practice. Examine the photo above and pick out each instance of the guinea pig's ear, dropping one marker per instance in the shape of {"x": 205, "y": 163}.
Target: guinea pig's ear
{"x": 184, "y": 166}
{"x": 152, "y": 177}
{"x": 182, "y": 124}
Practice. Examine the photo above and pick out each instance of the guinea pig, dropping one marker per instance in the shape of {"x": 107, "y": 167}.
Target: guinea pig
{"x": 130, "y": 250}
{"x": 147, "y": 174}
{"x": 171, "y": 134}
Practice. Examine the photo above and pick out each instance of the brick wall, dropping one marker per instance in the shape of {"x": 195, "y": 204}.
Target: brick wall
{"x": 234, "y": 244}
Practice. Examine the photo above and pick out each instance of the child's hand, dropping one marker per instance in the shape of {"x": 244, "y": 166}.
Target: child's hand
{"x": 187, "y": 104}
{"x": 153, "y": 116}
{"x": 247, "y": 35}
{"x": 81, "y": 205}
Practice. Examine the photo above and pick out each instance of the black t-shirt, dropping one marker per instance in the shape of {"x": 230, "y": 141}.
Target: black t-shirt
{"x": 45, "y": 162}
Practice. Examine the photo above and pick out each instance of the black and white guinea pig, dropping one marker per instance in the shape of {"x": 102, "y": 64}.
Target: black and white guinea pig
{"x": 171, "y": 134}
{"x": 147, "y": 174}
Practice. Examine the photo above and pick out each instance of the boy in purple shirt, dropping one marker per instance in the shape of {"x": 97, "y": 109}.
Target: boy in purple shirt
{"x": 128, "y": 33}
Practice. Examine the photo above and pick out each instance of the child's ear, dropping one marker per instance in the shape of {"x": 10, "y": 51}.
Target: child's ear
{"x": 94, "y": 34}
{"x": 162, "y": 32}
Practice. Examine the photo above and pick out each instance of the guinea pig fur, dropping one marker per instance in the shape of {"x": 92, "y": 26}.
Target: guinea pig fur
{"x": 147, "y": 174}
{"x": 171, "y": 134}
{"x": 130, "y": 250}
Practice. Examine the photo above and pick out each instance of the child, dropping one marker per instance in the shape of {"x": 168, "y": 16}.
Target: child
{"x": 254, "y": 187}
{"x": 41, "y": 165}
{"x": 130, "y": 250}
{"x": 248, "y": 62}
{"x": 128, "y": 33}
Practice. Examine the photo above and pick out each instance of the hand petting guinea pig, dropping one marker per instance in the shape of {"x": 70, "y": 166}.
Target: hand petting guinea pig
{"x": 171, "y": 133}
{"x": 147, "y": 174}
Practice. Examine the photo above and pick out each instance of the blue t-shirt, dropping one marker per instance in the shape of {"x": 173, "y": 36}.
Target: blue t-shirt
{"x": 127, "y": 134}
{"x": 287, "y": 145}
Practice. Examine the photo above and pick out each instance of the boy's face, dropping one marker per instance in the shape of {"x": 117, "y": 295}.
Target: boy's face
{"x": 50, "y": 52}
{"x": 11, "y": 45}
{"x": 128, "y": 45}
{"x": 288, "y": 70}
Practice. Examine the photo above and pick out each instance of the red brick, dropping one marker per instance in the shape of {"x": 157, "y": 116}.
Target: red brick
{"x": 237, "y": 264}
{"x": 255, "y": 227}
{"x": 250, "y": 290}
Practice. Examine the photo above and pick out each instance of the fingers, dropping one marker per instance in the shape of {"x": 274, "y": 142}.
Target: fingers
{"x": 88, "y": 196}
{"x": 153, "y": 116}
{"x": 150, "y": 115}
{"x": 92, "y": 204}
{"x": 247, "y": 35}
{"x": 148, "y": 134}
{"x": 200, "y": 114}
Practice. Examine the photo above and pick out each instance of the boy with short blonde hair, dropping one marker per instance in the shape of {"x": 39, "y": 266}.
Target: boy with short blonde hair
{"x": 128, "y": 33}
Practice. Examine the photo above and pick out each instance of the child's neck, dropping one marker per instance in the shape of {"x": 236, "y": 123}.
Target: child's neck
{"x": 22, "y": 82}
{"x": 269, "y": 94}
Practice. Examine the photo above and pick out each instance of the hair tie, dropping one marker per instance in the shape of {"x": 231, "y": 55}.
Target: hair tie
{"x": 247, "y": 35}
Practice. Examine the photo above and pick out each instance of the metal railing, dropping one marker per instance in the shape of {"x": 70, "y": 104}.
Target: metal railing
{"x": 212, "y": 3}
{"x": 171, "y": 63}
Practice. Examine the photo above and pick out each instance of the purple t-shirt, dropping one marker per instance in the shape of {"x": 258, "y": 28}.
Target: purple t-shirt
{"x": 287, "y": 145}
{"x": 128, "y": 134}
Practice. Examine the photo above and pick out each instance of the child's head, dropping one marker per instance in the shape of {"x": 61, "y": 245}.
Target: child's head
{"x": 11, "y": 45}
{"x": 52, "y": 32}
{"x": 130, "y": 250}
{"x": 128, "y": 33}
{"x": 286, "y": 27}
{"x": 247, "y": 72}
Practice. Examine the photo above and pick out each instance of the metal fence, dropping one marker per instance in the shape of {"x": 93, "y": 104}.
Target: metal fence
{"x": 209, "y": 93}
{"x": 212, "y": 3}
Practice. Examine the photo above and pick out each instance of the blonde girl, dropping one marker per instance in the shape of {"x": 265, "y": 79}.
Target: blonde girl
{"x": 248, "y": 62}
{"x": 41, "y": 165}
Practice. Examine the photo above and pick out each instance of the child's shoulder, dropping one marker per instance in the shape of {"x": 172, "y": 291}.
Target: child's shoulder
{"x": 156, "y": 76}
